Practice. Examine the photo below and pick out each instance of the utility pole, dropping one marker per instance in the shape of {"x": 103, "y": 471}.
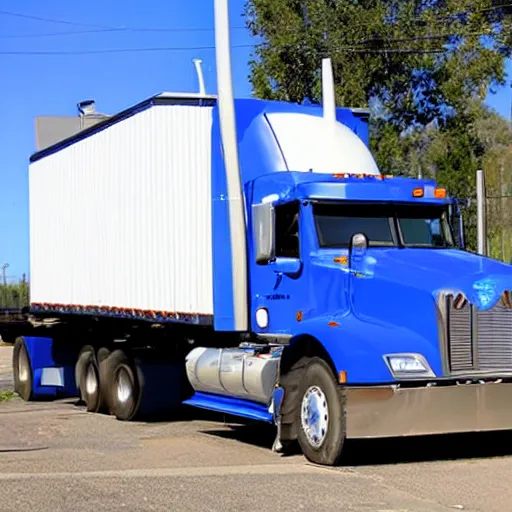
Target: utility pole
{"x": 480, "y": 212}
{"x": 5, "y": 266}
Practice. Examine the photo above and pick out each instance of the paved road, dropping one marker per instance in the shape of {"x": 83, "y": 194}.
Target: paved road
{"x": 56, "y": 457}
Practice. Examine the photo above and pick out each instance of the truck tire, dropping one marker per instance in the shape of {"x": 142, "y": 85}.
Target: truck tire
{"x": 22, "y": 370}
{"x": 321, "y": 414}
{"x": 81, "y": 361}
{"x": 101, "y": 356}
{"x": 124, "y": 397}
{"x": 90, "y": 388}
{"x": 290, "y": 382}
{"x": 107, "y": 363}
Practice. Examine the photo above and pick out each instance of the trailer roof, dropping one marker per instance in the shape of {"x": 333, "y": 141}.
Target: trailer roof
{"x": 165, "y": 98}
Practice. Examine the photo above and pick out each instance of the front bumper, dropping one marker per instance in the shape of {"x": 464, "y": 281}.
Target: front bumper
{"x": 391, "y": 411}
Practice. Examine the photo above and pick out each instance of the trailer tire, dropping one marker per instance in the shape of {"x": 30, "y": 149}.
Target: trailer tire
{"x": 90, "y": 389}
{"x": 81, "y": 361}
{"x": 321, "y": 414}
{"x": 22, "y": 370}
{"x": 108, "y": 362}
{"x": 126, "y": 392}
{"x": 104, "y": 378}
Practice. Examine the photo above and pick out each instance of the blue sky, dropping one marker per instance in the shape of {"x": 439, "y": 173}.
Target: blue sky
{"x": 33, "y": 85}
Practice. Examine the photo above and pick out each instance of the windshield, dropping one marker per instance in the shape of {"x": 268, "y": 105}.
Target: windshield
{"x": 385, "y": 225}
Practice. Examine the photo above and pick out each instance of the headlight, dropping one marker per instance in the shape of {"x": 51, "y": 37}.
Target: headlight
{"x": 408, "y": 366}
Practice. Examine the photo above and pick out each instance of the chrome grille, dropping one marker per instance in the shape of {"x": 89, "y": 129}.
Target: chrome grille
{"x": 494, "y": 328}
{"x": 479, "y": 340}
{"x": 460, "y": 339}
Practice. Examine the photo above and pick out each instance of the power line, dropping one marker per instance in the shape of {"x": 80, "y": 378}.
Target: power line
{"x": 67, "y": 33}
{"x": 184, "y": 29}
{"x": 119, "y": 50}
{"x": 99, "y": 28}
{"x": 113, "y": 30}
{"x": 347, "y": 49}
{"x": 50, "y": 20}
{"x": 110, "y": 30}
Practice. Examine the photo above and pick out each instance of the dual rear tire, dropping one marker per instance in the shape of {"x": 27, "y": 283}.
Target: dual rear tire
{"x": 108, "y": 382}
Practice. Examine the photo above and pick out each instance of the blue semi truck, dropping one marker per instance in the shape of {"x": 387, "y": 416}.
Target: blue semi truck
{"x": 249, "y": 257}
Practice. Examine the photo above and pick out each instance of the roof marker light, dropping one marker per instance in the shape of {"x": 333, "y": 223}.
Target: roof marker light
{"x": 417, "y": 192}
{"x": 440, "y": 193}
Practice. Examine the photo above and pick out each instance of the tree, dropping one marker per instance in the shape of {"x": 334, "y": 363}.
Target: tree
{"x": 420, "y": 59}
{"x": 476, "y": 138}
{"x": 422, "y": 66}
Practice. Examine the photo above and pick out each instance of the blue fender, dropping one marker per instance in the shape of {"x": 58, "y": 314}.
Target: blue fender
{"x": 53, "y": 372}
{"x": 358, "y": 347}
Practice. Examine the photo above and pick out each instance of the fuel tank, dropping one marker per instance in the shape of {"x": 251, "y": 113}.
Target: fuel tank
{"x": 245, "y": 373}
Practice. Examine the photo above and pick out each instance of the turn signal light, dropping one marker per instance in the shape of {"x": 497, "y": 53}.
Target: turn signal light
{"x": 440, "y": 193}
{"x": 417, "y": 192}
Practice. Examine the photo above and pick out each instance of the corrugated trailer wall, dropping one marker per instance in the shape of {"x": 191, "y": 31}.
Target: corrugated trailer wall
{"x": 122, "y": 218}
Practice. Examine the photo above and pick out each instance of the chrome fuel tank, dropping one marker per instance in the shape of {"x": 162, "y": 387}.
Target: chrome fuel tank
{"x": 241, "y": 373}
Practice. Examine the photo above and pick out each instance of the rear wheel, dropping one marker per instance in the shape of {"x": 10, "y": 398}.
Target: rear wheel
{"x": 106, "y": 370}
{"x": 22, "y": 370}
{"x": 85, "y": 353}
{"x": 125, "y": 395}
{"x": 90, "y": 384}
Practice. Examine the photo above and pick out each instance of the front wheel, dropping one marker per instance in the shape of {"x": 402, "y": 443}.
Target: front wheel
{"x": 321, "y": 421}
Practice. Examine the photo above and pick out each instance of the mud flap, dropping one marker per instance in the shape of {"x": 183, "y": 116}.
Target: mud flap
{"x": 277, "y": 399}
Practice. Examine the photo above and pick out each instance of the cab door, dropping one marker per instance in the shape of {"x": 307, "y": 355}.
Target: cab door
{"x": 278, "y": 286}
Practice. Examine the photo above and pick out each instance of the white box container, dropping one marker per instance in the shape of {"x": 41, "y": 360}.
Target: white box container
{"x": 121, "y": 218}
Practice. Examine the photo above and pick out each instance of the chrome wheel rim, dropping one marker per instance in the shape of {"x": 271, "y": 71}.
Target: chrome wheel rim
{"x": 124, "y": 386}
{"x": 314, "y": 415}
{"x": 91, "y": 381}
{"x": 23, "y": 366}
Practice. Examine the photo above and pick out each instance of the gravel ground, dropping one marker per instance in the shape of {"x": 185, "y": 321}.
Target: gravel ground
{"x": 5, "y": 367}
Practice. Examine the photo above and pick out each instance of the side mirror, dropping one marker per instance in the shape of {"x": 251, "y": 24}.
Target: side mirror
{"x": 357, "y": 246}
{"x": 457, "y": 224}
{"x": 458, "y": 230}
{"x": 263, "y": 228}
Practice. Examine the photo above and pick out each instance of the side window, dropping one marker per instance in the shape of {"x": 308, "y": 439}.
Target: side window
{"x": 287, "y": 230}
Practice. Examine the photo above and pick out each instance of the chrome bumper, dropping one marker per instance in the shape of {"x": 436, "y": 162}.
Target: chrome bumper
{"x": 389, "y": 411}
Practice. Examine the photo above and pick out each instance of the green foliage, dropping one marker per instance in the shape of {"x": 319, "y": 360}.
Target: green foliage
{"x": 476, "y": 138}
{"x": 14, "y": 296}
{"x": 419, "y": 59}
{"x": 6, "y": 395}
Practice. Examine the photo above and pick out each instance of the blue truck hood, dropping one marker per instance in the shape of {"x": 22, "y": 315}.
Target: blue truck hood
{"x": 482, "y": 280}
{"x": 390, "y": 305}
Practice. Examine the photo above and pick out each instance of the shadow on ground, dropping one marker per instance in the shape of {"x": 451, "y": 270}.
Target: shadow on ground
{"x": 391, "y": 451}
{"x": 358, "y": 452}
